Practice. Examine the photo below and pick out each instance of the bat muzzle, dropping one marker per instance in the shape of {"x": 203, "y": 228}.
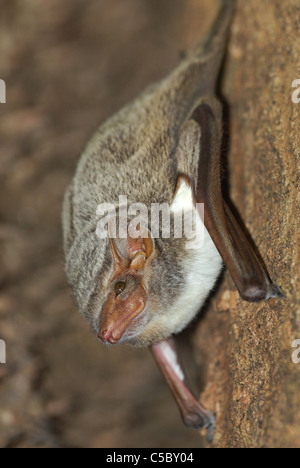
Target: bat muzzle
{"x": 119, "y": 313}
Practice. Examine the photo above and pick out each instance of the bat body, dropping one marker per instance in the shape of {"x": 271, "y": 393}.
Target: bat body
{"x": 163, "y": 148}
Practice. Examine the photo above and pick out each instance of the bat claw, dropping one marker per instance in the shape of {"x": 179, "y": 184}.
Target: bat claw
{"x": 201, "y": 420}
{"x": 211, "y": 430}
{"x": 277, "y": 292}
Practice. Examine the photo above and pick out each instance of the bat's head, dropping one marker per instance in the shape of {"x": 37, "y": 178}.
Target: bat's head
{"x": 126, "y": 295}
{"x": 145, "y": 280}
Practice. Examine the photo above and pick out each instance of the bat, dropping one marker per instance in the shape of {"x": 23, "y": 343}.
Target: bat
{"x": 163, "y": 149}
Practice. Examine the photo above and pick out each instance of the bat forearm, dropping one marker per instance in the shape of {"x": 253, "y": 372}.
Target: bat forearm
{"x": 193, "y": 414}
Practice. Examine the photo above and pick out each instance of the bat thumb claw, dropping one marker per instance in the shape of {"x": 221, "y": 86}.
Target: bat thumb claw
{"x": 200, "y": 420}
{"x": 210, "y": 431}
{"x": 276, "y": 291}
{"x": 210, "y": 427}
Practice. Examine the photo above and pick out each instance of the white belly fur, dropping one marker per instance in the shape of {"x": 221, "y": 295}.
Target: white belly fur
{"x": 202, "y": 266}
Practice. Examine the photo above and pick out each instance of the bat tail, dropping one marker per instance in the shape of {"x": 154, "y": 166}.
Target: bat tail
{"x": 197, "y": 75}
{"x": 209, "y": 54}
{"x": 220, "y": 29}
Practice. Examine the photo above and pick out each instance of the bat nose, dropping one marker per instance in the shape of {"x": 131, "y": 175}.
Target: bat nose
{"x": 107, "y": 337}
{"x": 118, "y": 315}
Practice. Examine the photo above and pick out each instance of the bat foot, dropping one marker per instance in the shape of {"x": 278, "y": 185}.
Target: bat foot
{"x": 201, "y": 419}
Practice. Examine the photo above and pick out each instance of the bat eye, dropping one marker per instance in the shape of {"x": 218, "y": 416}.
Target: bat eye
{"x": 120, "y": 287}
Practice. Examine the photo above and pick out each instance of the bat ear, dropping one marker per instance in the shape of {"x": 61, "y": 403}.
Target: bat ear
{"x": 131, "y": 248}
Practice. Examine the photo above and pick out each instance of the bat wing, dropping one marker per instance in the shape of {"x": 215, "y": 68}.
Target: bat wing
{"x": 247, "y": 271}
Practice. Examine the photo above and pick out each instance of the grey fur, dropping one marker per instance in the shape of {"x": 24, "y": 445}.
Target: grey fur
{"x": 139, "y": 152}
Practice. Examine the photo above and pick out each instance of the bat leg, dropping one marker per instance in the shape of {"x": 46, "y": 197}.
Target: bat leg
{"x": 247, "y": 271}
{"x": 192, "y": 413}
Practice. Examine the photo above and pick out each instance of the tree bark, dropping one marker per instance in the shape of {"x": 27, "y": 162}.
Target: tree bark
{"x": 252, "y": 382}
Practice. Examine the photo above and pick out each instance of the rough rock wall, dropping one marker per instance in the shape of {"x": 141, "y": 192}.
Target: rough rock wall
{"x": 252, "y": 381}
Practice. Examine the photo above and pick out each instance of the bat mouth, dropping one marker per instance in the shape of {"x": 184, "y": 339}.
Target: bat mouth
{"x": 113, "y": 330}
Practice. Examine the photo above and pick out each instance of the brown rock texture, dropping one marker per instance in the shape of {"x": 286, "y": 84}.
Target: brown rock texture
{"x": 252, "y": 382}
